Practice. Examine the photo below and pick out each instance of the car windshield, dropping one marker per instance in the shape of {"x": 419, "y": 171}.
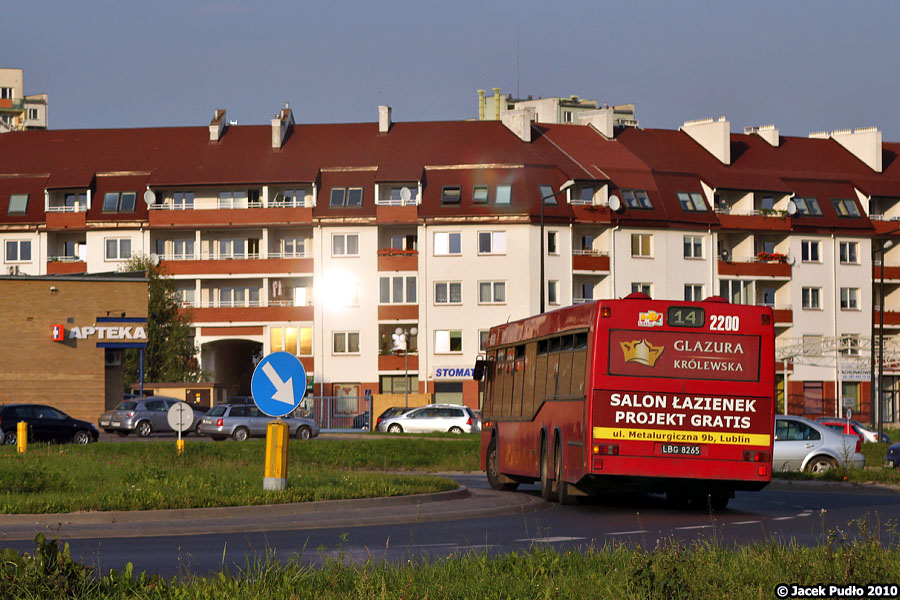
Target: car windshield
{"x": 217, "y": 411}
{"x": 127, "y": 405}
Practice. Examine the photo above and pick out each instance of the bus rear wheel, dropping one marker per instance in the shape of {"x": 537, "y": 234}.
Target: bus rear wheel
{"x": 495, "y": 478}
{"x": 547, "y": 491}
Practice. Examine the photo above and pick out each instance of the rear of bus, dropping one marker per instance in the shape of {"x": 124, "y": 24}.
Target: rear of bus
{"x": 683, "y": 397}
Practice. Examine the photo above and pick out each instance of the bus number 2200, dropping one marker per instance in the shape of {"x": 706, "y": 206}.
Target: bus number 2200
{"x": 724, "y": 323}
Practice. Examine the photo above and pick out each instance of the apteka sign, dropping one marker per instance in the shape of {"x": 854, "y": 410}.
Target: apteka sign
{"x": 110, "y": 332}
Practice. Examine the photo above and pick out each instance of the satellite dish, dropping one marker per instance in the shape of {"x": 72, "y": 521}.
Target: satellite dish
{"x": 149, "y": 197}
{"x": 615, "y": 204}
{"x": 154, "y": 258}
{"x": 789, "y": 259}
{"x": 405, "y": 194}
{"x": 792, "y": 208}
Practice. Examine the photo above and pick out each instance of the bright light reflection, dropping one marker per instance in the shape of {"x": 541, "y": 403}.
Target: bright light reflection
{"x": 337, "y": 289}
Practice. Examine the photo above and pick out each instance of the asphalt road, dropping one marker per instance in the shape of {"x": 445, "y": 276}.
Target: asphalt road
{"x": 802, "y": 512}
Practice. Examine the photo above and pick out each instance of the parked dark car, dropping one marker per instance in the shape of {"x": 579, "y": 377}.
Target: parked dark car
{"x": 892, "y": 458}
{"x": 45, "y": 424}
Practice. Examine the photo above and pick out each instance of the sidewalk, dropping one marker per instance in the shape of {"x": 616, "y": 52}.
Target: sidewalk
{"x": 455, "y": 504}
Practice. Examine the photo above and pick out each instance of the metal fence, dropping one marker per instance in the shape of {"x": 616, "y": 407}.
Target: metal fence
{"x": 338, "y": 413}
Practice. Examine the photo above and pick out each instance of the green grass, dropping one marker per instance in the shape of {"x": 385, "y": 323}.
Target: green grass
{"x": 67, "y": 478}
{"x": 671, "y": 570}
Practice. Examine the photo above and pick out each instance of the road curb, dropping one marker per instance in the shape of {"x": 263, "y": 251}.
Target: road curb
{"x": 846, "y": 486}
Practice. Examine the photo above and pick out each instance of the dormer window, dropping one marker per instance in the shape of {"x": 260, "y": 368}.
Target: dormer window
{"x": 18, "y": 204}
{"x": 346, "y": 197}
{"x": 450, "y": 194}
{"x": 807, "y": 207}
{"x": 845, "y": 207}
{"x": 691, "y": 202}
{"x": 119, "y": 202}
{"x": 637, "y": 199}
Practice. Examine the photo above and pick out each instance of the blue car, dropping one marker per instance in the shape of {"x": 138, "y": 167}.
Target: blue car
{"x": 892, "y": 458}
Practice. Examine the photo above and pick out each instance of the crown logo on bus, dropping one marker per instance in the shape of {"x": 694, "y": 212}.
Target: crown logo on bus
{"x": 651, "y": 318}
{"x": 641, "y": 352}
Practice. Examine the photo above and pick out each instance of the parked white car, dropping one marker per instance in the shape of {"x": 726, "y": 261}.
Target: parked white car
{"x": 434, "y": 417}
{"x": 804, "y": 445}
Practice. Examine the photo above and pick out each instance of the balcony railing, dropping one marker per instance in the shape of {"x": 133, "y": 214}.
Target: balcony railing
{"x": 581, "y": 300}
{"x": 63, "y": 258}
{"x": 244, "y": 304}
{"x": 761, "y": 212}
{"x": 395, "y": 202}
{"x": 583, "y": 252}
{"x": 67, "y": 209}
{"x": 396, "y": 252}
{"x": 288, "y": 255}
{"x": 169, "y": 205}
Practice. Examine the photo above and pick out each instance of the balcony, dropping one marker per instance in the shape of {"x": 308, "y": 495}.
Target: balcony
{"x": 248, "y": 264}
{"x": 239, "y": 314}
{"x": 388, "y": 212}
{"x": 66, "y": 217}
{"x": 594, "y": 213}
{"x": 398, "y": 312}
{"x": 392, "y": 259}
{"x": 65, "y": 265}
{"x": 169, "y": 215}
{"x": 891, "y": 272}
{"x": 592, "y": 261}
{"x": 891, "y": 318}
{"x": 12, "y": 104}
{"x": 755, "y": 268}
{"x": 397, "y": 362}
{"x": 754, "y": 220}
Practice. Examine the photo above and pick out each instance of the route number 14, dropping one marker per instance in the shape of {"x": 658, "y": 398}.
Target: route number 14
{"x": 724, "y": 323}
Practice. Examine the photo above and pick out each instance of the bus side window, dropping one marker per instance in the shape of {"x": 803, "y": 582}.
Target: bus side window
{"x": 565, "y": 365}
{"x": 528, "y": 395}
{"x": 579, "y": 363}
{"x": 489, "y": 375}
{"x": 499, "y": 382}
{"x": 552, "y": 369}
{"x": 540, "y": 373}
{"x": 518, "y": 381}
{"x": 508, "y": 379}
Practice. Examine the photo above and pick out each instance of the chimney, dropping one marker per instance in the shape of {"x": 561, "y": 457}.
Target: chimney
{"x": 519, "y": 122}
{"x": 766, "y": 132}
{"x": 496, "y": 104}
{"x": 384, "y": 119}
{"x": 864, "y": 144}
{"x": 602, "y": 120}
{"x": 281, "y": 125}
{"x": 481, "y": 105}
{"x": 714, "y": 136}
{"x": 217, "y": 125}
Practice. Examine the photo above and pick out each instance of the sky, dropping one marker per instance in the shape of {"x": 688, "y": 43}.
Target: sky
{"x": 801, "y": 65}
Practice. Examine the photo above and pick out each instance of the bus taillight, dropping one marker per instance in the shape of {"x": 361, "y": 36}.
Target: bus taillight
{"x": 756, "y": 456}
{"x": 607, "y": 449}
{"x": 606, "y": 312}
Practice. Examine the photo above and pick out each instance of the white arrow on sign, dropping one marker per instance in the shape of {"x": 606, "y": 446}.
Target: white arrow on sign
{"x": 284, "y": 390}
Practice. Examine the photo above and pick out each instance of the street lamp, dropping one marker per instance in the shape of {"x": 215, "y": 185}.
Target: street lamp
{"x": 562, "y": 188}
{"x": 401, "y": 342}
{"x": 878, "y": 397}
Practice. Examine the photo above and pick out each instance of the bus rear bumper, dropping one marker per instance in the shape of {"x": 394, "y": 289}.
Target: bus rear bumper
{"x": 656, "y": 471}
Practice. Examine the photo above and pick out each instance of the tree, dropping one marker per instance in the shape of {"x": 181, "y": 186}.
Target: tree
{"x": 170, "y": 355}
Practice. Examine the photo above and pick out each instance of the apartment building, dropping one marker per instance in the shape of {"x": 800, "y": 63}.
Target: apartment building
{"x": 18, "y": 111}
{"x": 323, "y": 240}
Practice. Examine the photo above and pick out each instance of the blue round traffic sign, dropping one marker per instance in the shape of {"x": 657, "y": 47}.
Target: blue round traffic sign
{"x": 278, "y": 384}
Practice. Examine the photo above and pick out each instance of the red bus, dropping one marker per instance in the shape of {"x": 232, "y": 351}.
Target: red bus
{"x": 632, "y": 394}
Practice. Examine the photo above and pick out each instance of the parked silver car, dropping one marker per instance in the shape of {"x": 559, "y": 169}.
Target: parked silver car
{"x": 434, "y": 417}
{"x": 243, "y": 421}
{"x": 144, "y": 416}
{"x": 804, "y": 445}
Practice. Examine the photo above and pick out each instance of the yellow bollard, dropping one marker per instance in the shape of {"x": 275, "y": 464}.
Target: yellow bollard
{"x": 21, "y": 437}
{"x": 179, "y": 446}
{"x": 276, "y": 456}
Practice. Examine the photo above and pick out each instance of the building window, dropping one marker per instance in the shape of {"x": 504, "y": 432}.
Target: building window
{"x": 480, "y": 194}
{"x": 553, "y": 291}
{"x": 640, "y": 287}
{"x": 849, "y": 298}
{"x": 483, "y": 336}
{"x": 399, "y": 384}
{"x": 693, "y": 246}
{"x": 18, "y": 251}
{"x": 346, "y": 197}
{"x": 547, "y": 194}
{"x": 294, "y": 340}
{"x": 809, "y": 251}
{"x": 447, "y": 292}
{"x": 636, "y": 199}
{"x": 6, "y": 93}
{"x": 447, "y": 341}
{"x": 293, "y": 247}
{"x": 640, "y": 245}
{"x": 492, "y": 292}
{"x": 450, "y": 194}
{"x": 693, "y": 292}
{"x": 233, "y": 199}
{"x": 691, "y": 202}
{"x": 587, "y": 243}
{"x": 345, "y": 342}
{"x": 119, "y": 201}
{"x": 849, "y": 253}
{"x": 18, "y": 204}
{"x": 491, "y": 242}
{"x": 849, "y": 344}
{"x": 33, "y": 114}
{"x": 587, "y": 292}
{"x": 813, "y": 397}
{"x": 807, "y": 207}
{"x": 345, "y": 244}
{"x": 503, "y": 195}
{"x": 552, "y": 245}
{"x": 118, "y": 248}
{"x": 233, "y": 248}
{"x": 736, "y": 291}
{"x": 183, "y": 200}
{"x": 233, "y": 296}
{"x": 447, "y": 244}
{"x": 845, "y": 207}
{"x": 812, "y": 298}
{"x": 398, "y": 290}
